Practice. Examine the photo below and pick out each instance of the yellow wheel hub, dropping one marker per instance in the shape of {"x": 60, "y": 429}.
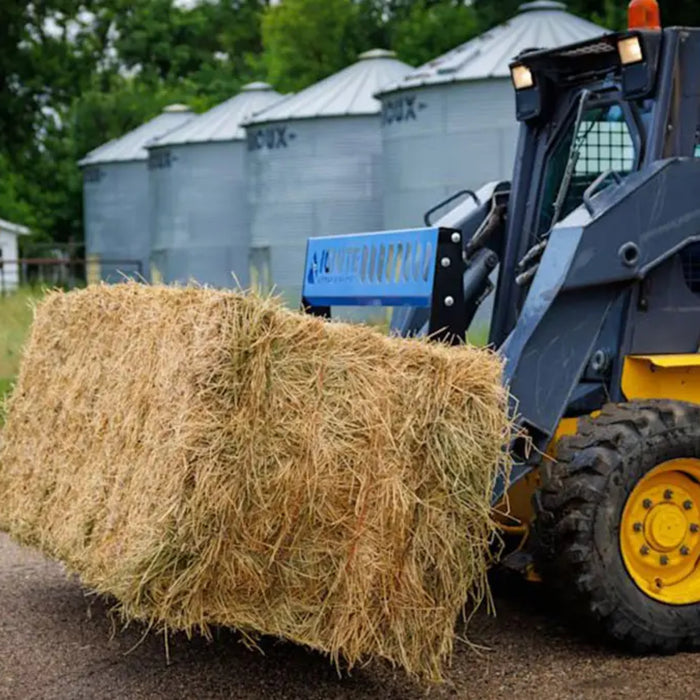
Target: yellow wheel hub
{"x": 660, "y": 532}
{"x": 666, "y": 527}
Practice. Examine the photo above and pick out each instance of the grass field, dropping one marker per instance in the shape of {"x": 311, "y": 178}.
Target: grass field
{"x": 15, "y": 319}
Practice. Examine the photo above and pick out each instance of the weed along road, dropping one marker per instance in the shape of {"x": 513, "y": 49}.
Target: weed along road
{"x": 57, "y": 643}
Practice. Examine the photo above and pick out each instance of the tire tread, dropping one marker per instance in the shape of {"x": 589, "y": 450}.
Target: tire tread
{"x": 572, "y": 491}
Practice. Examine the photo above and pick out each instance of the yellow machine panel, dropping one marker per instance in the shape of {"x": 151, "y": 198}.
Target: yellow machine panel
{"x": 662, "y": 377}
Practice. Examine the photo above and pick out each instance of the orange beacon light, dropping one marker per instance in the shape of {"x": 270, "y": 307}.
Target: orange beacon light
{"x": 644, "y": 14}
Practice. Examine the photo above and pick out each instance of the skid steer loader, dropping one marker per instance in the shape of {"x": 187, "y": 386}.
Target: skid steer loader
{"x": 595, "y": 251}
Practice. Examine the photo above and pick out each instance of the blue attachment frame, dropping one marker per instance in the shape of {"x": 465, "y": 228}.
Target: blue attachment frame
{"x": 388, "y": 268}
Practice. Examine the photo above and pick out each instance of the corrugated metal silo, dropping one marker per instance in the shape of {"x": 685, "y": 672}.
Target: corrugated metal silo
{"x": 450, "y": 124}
{"x": 315, "y": 168}
{"x": 199, "y": 210}
{"x": 116, "y": 199}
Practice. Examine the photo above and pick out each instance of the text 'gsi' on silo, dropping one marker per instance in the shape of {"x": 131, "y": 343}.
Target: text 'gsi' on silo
{"x": 315, "y": 169}
{"x": 116, "y": 200}
{"x": 450, "y": 124}
{"x": 199, "y": 202}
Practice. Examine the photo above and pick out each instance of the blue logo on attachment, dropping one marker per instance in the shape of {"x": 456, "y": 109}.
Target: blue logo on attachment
{"x": 313, "y": 267}
{"x": 394, "y": 268}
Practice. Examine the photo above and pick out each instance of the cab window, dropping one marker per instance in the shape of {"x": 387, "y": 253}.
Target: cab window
{"x": 602, "y": 142}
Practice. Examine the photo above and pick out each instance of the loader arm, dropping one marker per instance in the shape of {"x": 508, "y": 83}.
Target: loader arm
{"x": 438, "y": 275}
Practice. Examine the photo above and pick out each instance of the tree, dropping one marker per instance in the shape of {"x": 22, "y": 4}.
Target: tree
{"x": 76, "y": 73}
{"x": 12, "y": 206}
{"x": 210, "y": 47}
{"x": 428, "y": 29}
{"x": 307, "y": 40}
{"x": 15, "y": 104}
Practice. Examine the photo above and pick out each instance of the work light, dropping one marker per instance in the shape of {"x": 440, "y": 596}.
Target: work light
{"x": 522, "y": 77}
{"x": 630, "y": 50}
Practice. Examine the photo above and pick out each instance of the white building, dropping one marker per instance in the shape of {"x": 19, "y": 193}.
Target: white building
{"x": 9, "y": 254}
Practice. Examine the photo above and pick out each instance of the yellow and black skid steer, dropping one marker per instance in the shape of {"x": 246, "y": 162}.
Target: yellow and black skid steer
{"x": 588, "y": 262}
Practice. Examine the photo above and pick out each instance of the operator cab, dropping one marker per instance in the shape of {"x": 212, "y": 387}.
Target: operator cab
{"x": 592, "y": 114}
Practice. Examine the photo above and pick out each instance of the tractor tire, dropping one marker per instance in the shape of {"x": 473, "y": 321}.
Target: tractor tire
{"x": 580, "y": 509}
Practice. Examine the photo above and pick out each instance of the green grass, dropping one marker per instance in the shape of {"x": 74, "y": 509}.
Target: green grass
{"x": 15, "y": 320}
{"x": 478, "y": 334}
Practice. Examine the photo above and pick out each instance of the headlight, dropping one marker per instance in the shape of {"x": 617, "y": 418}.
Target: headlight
{"x": 630, "y": 50}
{"x": 522, "y": 77}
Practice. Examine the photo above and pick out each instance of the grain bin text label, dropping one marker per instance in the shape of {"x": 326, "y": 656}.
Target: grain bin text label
{"x": 94, "y": 174}
{"x": 270, "y": 138}
{"x": 401, "y": 109}
{"x": 160, "y": 159}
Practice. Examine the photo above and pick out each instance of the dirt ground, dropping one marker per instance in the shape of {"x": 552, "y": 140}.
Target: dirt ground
{"x": 57, "y": 643}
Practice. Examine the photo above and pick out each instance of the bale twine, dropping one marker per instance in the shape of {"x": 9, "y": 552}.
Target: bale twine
{"x": 210, "y": 458}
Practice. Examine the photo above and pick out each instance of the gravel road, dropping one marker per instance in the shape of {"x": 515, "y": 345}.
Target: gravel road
{"x": 57, "y": 643}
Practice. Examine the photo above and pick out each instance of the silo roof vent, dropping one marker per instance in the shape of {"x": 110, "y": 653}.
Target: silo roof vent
{"x": 376, "y": 53}
{"x": 542, "y": 5}
{"x": 176, "y": 108}
{"x": 258, "y": 86}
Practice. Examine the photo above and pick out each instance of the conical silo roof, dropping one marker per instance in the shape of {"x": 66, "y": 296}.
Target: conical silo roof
{"x": 541, "y": 24}
{"x": 349, "y": 92}
{"x": 223, "y": 122}
{"x": 132, "y": 146}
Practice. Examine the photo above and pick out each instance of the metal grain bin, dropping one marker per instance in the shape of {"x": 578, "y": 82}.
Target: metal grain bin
{"x": 315, "y": 168}
{"x": 116, "y": 199}
{"x": 450, "y": 124}
{"x": 199, "y": 210}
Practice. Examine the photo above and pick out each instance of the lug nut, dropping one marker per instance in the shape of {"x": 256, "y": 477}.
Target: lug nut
{"x": 638, "y": 527}
{"x": 445, "y": 262}
{"x": 687, "y": 505}
{"x": 685, "y": 551}
{"x": 663, "y": 560}
{"x": 647, "y": 503}
{"x": 694, "y": 527}
{"x": 668, "y": 494}
{"x": 644, "y": 550}
{"x": 456, "y": 238}
{"x": 449, "y": 301}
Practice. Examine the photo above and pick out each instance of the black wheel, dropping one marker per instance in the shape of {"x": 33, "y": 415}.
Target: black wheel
{"x": 617, "y": 524}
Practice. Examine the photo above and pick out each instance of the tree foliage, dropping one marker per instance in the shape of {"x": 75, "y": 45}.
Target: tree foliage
{"x": 307, "y": 40}
{"x": 427, "y": 29}
{"x": 75, "y": 73}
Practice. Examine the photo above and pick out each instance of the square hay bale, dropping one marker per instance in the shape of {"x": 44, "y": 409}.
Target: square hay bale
{"x": 211, "y": 458}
